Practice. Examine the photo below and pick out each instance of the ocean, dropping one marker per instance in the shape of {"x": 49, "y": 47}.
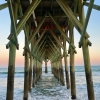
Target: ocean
{"x": 48, "y": 87}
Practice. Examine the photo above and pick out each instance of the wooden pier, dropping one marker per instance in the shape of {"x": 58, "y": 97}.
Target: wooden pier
{"x": 48, "y": 26}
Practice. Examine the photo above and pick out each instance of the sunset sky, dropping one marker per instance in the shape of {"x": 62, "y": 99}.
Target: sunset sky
{"x": 93, "y": 30}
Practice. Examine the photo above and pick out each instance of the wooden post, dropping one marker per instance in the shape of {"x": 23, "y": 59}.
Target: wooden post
{"x": 11, "y": 65}
{"x": 34, "y": 76}
{"x": 3, "y": 6}
{"x": 58, "y": 70}
{"x": 86, "y": 57}
{"x": 26, "y": 76}
{"x": 36, "y": 73}
{"x": 61, "y": 67}
{"x": 30, "y": 73}
{"x": 72, "y": 71}
{"x": 46, "y": 70}
{"x": 66, "y": 66}
{"x": 26, "y": 70}
{"x": 62, "y": 73}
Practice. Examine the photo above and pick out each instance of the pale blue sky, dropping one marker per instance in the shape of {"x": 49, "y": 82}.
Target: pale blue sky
{"x": 93, "y": 29}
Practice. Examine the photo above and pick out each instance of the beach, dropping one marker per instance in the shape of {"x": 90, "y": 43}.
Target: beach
{"x": 48, "y": 87}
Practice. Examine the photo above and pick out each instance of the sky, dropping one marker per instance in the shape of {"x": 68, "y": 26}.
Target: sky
{"x": 93, "y": 30}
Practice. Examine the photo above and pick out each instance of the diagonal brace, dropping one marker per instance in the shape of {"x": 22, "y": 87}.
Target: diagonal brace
{"x": 3, "y": 6}
{"x": 71, "y": 16}
{"x": 11, "y": 11}
{"x": 61, "y": 31}
{"x": 86, "y": 20}
{"x": 56, "y": 39}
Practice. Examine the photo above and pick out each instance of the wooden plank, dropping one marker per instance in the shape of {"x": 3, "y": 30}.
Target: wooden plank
{"x": 53, "y": 34}
{"x": 71, "y": 16}
{"x": 96, "y": 7}
{"x": 36, "y": 30}
{"x": 60, "y": 30}
{"x": 86, "y": 20}
{"x": 14, "y": 30}
{"x": 39, "y": 40}
{"x": 3, "y": 6}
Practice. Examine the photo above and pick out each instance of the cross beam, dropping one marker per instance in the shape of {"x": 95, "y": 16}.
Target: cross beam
{"x": 3, "y": 6}
{"x": 13, "y": 19}
{"x": 71, "y": 16}
{"x": 86, "y": 20}
{"x": 96, "y": 7}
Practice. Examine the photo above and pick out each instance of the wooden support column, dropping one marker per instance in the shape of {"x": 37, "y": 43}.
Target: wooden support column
{"x": 34, "y": 76}
{"x": 26, "y": 70}
{"x": 58, "y": 73}
{"x": 72, "y": 71}
{"x": 26, "y": 76}
{"x": 3, "y": 6}
{"x": 62, "y": 73}
{"x": 86, "y": 58}
{"x": 11, "y": 65}
{"x": 36, "y": 71}
{"x": 30, "y": 73}
{"x": 61, "y": 67}
{"x": 46, "y": 70}
{"x": 66, "y": 66}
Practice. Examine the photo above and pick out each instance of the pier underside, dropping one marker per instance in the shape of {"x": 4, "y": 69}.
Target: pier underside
{"x": 48, "y": 26}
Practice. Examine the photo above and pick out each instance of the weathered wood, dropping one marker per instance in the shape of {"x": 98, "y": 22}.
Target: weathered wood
{"x": 38, "y": 40}
{"x": 14, "y": 30}
{"x": 26, "y": 76}
{"x": 11, "y": 70}
{"x": 26, "y": 71}
{"x": 3, "y": 6}
{"x": 60, "y": 30}
{"x": 66, "y": 65}
{"x": 71, "y": 16}
{"x": 86, "y": 58}
{"x": 86, "y": 20}
{"x": 56, "y": 39}
{"x": 96, "y": 7}
{"x": 27, "y": 14}
{"x": 11, "y": 65}
{"x": 30, "y": 73}
{"x": 34, "y": 71}
{"x": 46, "y": 70}
{"x": 72, "y": 71}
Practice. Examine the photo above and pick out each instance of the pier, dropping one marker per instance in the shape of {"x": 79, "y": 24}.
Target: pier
{"x": 48, "y": 27}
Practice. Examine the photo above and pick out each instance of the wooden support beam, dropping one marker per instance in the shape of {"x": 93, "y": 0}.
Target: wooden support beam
{"x": 46, "y": 70}
{"x": 26, "y": 76}
{"x": 39, "y": 46}
{"x": 86, "y": 20}
{"x": 60, "y": 30}
{"x": 36, "y": 30}
{"x": 71, "y": 16}
{"x": 27, "y": 14}
{"x": 96, "y": 7}
{"x": 87, "y": 64}
{"x": 24, "y": 27}
{"x": 30, "y": 73}
{"x": 72, "y": 70}
{"x": 53, "y": 44}
{"x": 11, "y": 64}
{"x": 38, "y": 40}
{"x": 34, "y": 72}
{"x": 66, "y": 64}
{"x": 3, "y": 6}
{"x": 14, "y": 30}
{"x": 26, "y": 30}
{"x": 53, "y": 34}
{"x": 61, "y": 66}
